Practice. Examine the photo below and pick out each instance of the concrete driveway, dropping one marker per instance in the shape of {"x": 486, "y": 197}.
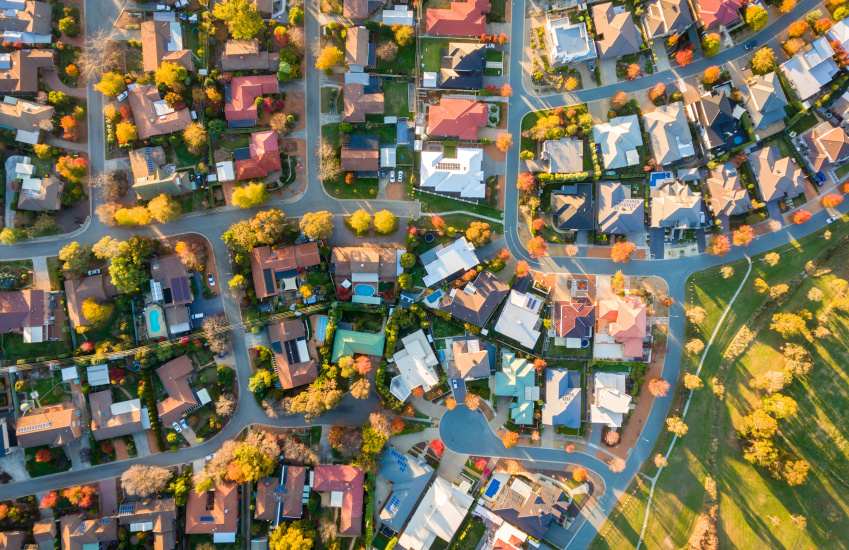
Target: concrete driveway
{"x": 607, "y": 69}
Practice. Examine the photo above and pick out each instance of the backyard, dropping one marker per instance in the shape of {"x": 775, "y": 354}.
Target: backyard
{"x": 432, "y": 53}
{"x": 395, "y": 93}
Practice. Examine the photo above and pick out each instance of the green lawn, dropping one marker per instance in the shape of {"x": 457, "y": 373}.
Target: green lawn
{"x": 433, "y": 203}
{"x": 232, "y": 141}
{"x": 14, "y": 348}
{"x": 395, "y": 94}
{"x": 469, "y": 534}
{"x": 754, "y": 508}
{"x": 362, "y": 188}
{"x": 59, "y": 462}
{"x": 330, "y": 97}
{"x": 432, "y": 53}
{"x": 443, "y": 328}
{"x": 497, "y": 11}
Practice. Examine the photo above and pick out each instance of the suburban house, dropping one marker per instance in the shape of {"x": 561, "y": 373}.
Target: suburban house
{"x": 618, "y": 213}
{"x": 621, "y": 325}
{"x": 97, "y": 287}
{"x": 573, "y": 322}
{"x": 12, "y": 540}
{"x": 444, "y": 261}
{"x": 25, "y": 118}
{"x": 214, "y": 512}
{"x": 611, "y": 401}
{"x": 531, "y": 503}
{"x": 361, "y": 154}
{"x": 362, "y": 96}
{"x": 675, "y": 206}
{"x": 181, "y": 399}
{"x": 79, "y": 533}
{"x": 44, "y": 534}
{"x": 283, "y": 497}
{"x": 563, "y": 156}
{"x": 461, "y": 68}
{"x": 461, "y": 18}
{"x": 260, "y": 158}
{"x": 727, "y": 196}
{"x": 291, "y": 353}
{"x": 110, "y": 419}
{"x": 568, "y": 42}
{"x": 669, "y": 132}
{"x": 811, "y": 69}
{"x": 461, "y": 175}
{"x": 765, "y": 100}
{"x": 615, "y": 31}
{"x": 840, "y": 106}
{"x": 666, "y": 18}
{"x": 360, "y": 272}
{"x": 341, "y": 487}
{"x": 408, "y": 477}
{"x": 275, "y": 270}
{"x": 20, "y": 69}
{"x": 399, "y": 14}
{"x": 719, "y": 121}
{"x": 827, "y": 146}
{"x": 517, "y": 379}
{"x": 839, "y": 32}
{"x": 714, "y": 14}
{"x": 53, "y": 425}
{"x": 359, "y": 9}
{"x": 456, "y": 118}
{"x": 471, "y": 359}
{"x": 154, "y": 175}
{"x": 170, "y": 287}
{"x": 152, "y": 114}
{"x": 619, "y": 139}
{"x": 26, "y": 22}
{"x": 520, "y": 318}
{"x": 352, "y": 342}
{"x": 416, "y": 364}
{"x": 40, "y": 194}
{"x": 156, "y": 516}
{"x": 30, "y": 313}
{"x": 163, "y": 41}
{"x": 477, "y": 301}
{"x": 572, "y": 208}
{"x": 359, "y": 53}
{"x": 562, "y": 398}
{"x": 778, "y": 177}
{"x": 439, "y": 514}
{"x": 246, "y": 55}
{"x": 241, "y": 94}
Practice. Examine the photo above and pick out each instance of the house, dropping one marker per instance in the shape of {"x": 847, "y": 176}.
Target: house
{"x": 765, "y": 100}
{"x": 611, "y": 401}
{"x": 461, "y": 175}
{"x": 439, "y": 514}
{"x": 241, "y": 95}
{"x": 163, "y": 41}
{"x": 20, "y": 69}
{"x": 109, "y": 419}
{"x": 720, "y": 124}
{"x": 827, "y": 146}
{"x": 666, "y": 18}
{"x": 415, "y": 363}
{"x": 675, "y": 206}
{"x": 169, "y": 286}
{"x": 359, "y": 271}
{"x": 40, "y": 194}
{"x": 470, "y": 359}
{"x": 361, "y": 154}
{"x": 517, "y": 379}
{"x": 615, "y": 31}
{"x": 283, "y": 497}
{"x": 714, "y": 14}
{"x": 291, "y": 353}
{"x": 568, "y": 42}
{"x": 359, "y": 53}
{"x": 532, "y": 503}
{"x": 153, "y": 175}
{"x": 460, "y": 18}
{"x": 444, "y": 261}
{"x": 400, "y": 14}
{"x": 618, "y": 213}
{"x": 260, "y": 158}
{"x": 408, "y": 477}
{"x": 620, "y": 325}
{"x": 246, "y": 55}
{"x": 462, "y": 67}
{"x": 181, "y": 399}
{"x": 25, "y": 118}
{"x": 44, "y": 534}
{"x": 155, "y": 516}
{"x": 669, "y": 132}
{"x": 573, "y": 323}
{"x": 352, "y": 342}
{"x": 275, "y": 270}
{"x": 359, "y": 9}
{"x": 562, "y": 398}
{"x": 839, "y": 32}
{"x": 362, "y": 96}
{"x": 342, "y": 487}
{"x": 564, "y": 155}
{"x": 840, "y": 106}
{"x": 12, "y": 540}
{"x": 152, "y": 114}
{"x": 778, "y": 177}
{"x": 97, "y": 287}
{"x": 572, "y": 207}
{"x": 727, "y": 196}
{"x": 214, "y": 512}
{"x": 477, "y": 301}
{"x": 28, "y": 312}
{"x": 79, "y": 533}
{"x": 811, "y": 69}
{"x": 520, "y": 318}
{"x": 456, "y": 118}
{"x": 619, "y": 139}
{"x": 26, "y": 22}
{"x": 53, "y": 425}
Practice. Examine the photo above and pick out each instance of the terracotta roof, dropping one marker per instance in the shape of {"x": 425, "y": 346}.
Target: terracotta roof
{"x": 54, "y": 425}
{"x": 268, "y": 264}
{"x": 181, "y": 397}
{"x": 245, "y": 55}
{"x": 358, "y": 104}
{"x": 470, "y": 364}
{"x": 460, "y": 118}
{"x": 98, "y": 287}
{"x": 35, "y": 18}
{"x": 77, "y": 531}
{"x": 778, "y": 176}
{"x": 25, "y": 115}
{"x": 616, "y": 33}
{"x": 714, "y": 13}
{"x": 573, "y": 319}
{"x": 22, "y": 308}
{"x": 217, "y": 512}
{"x": 144, "y": 102}
{"x": 360, "y": 160}
{"x": 466, "y": 18}
{"x": 624, "y": 318}
{"x": 105, "y": 425}
{"x": 356, "y": 46}
{"x": 47, "y": 197}
{"x": 283, "y": 336}
{"x": 270, "y": 493}
{"x": 155, "y": 36}
{"x": 264, "y": 157}
{"x": 347, "y": 480}
{"x": 243, "y": 93}
{"x": 365, "y": 259}
{"x": 161, "y": 514}
{"x": 22, "y": 75}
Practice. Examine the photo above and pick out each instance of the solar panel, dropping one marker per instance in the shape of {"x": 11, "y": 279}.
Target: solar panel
{"x": 180, "y": 289}
{"x": 207, "y": 519}
{"x": 127, "y": 508}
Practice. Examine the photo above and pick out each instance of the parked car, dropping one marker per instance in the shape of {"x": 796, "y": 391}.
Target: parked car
{"x": 184, "y": 424}
{"x": 92, "y": 272}
{"x": 831, "y": 219}
{"x": 197, "y": 316}
{"x": 392, "y": 176}
{"x": 400, "y": 176}
{"x": 176, "y": 426}
{"x": 210, "y": 279}
{"x": 750, "y": 45}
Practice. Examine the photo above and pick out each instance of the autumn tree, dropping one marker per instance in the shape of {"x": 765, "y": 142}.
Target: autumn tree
{"x": 503, "y": 142}
{"x": 438, "y": 223}
{"x": 126, "y": 133}
{"x": 719, "y": 245}
{"x": 243, "y": 20}
{"x": 711, "y": 44}
{"x": 522, "y": 268}
{"x": 763, "y": 61}
{"x": 360, "y": 388}
{"x": 478, "y": 233}
{"x": 619, "y": 100}
{"x": 317, "y": 225}
{"x": 657, "y": 92}
{"x": 76, "y": 258}
{"x": 111, "y": 84}
{"x": 658, "y": 387}
{"x": 801, "y": 216}
{"x": 225, "y": 405}
{"x": 49, "y": 500}
{"x": 756, "y": 16}
{"x": 195, "y": 137}
{"x": 385, "y": 222}
{"x": 96, "y": 313}
{"x": 711, "y": 75}
{"x": 509, "y": 439}
{"x": 822, "y": 25}
{"x": 403, "y": 34}
{"x": 191, "y": 254}
{"x": 660, "y": 461}
{"x": 790, "y": 324}
{"x": 450, "y": 403}
{"x": 772, "y": 258}
{"x": 320, "y": 396}
{"x": 780, "y": 406}
{"x": 579, "y": 474}
{"x": 832, "y": 200}
{"x": 621, "y": 251}
{"x": 787, "y": 6}
{"x": 695, "y": 314}
{"x": 694, "y": 346}
{"x": 216, "y": 331}
{"x": 291, "y": 536}
{"x": 329, "y": 57}
{"x": 164, "y": 209}
{"x": 171, "y": 75}
{"x": 250, "y": 195}
{"x": 797, "y": 29}
{"x": 360, "y": 222}
{"x": 536, "y": 247}
{"x": 330, "y": 167}
{"x": 795, "y": 472}
{"x": 143, "y": 481}
{"x": 743, "y": 235}
{"x": 387, "y": 51}
{"x": 633, "y": 71}
{"x": 472, "y": 401}
{"x": 677, "y": 426}
{"x": 684, "y": 56}
{"x": 526, "y": 182}
{"x": 761, "y": 452}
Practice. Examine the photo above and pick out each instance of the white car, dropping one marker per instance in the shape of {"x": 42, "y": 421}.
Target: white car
{"x": 197, "y": 316}
{"x": 210, "y": 279}
{"x": 831, "y": 219}
{"x": 176, "y": 427}
{"x": 184, "y": 424}
{"x": 392, "y": 176}
{"x": 400, "y": 176}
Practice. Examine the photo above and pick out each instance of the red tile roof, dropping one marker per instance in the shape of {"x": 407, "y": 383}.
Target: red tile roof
{"x": 279, "y": 260}
{"x": 360, "y": 160}
{"x": 291, "y": 374}
{"x": 719, "y": 12}
{"x": 349, "y": 481}
{"x": 461, "y": 19}
{"x": 460, "y": 118}
{"x": 567, "y": 313}
{"x": 243, "y": 93}
{"x": 265, "y": 157}
{"x": 181, "y": 397}
{"x": 221, "y": 515}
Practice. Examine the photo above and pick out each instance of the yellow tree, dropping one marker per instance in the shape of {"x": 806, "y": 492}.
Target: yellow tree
{"x": 360, "y": 222}
{"x": 195, "y": 137}
{"x": 111, "y": 84}
{"x": 250, "y": 195}
{"x": 317, "y": 225}
{"x": 126, "y": 133}
{"x": 503, "y": 142}
{"x": 385, "y": 222}
{"x": 164, "y": 209}
{"x": 329, "y": 57}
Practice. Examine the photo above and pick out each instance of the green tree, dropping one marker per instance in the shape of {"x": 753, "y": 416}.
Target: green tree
{"x": 756, "y": 16}
{"x": 75, "y": 258}
{"x": 405, "y": 281}
{"x": 385, "y": 222}
{"x": 291, "y": 536}
{"x": 127, "y": 267}
{"x": 111, "y": 84}
{"x": 250, "y": 195}
{"x": 241, "y": 17}
{"x": 171, "y": 75}
{"x": 164, "y": 209}
{"x": 69, "y": 26}
{"x": 408, "y": 260}
{"x": 317, "y": 225}
{"x": 711, "y": 43}
{"x": 360, "y": 222}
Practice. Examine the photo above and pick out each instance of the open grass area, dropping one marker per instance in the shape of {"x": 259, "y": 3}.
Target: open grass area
{"x": 432, "y": 53}
{"x": 434, "y": 203}
{"x": 330, "y": 99}
{"x": 755, "y": 509}
{"x": 395, "y": 94}
{"x": 13, "y": 347}
{"x": 362, "y": 188}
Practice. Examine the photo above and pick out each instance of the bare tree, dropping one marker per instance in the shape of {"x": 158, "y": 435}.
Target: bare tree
{"x": 327, "y": 530}
{"x": 99, "y": 54}
{"x": 225, "y": 405}
{"x": 113, "y": 185}
{"x": 144, "y": 481}
{"x": 217, "y": 334}
{"x": 330, "y": 168}
{"x": 295, "y": 451}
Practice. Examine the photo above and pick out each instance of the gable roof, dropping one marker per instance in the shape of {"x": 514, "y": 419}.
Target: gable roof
{"x": 667, "y": 17}
{"x": 812, "y": 68}
{"x": 610, "y": 400}
{"x": 564, "y": 155}
{"x": 157, "y": 516}
{"x": 359, "y": 9}
{"x": 715, "y": 113}
{"x": 19, "y": 70}
{"x": 25, "y": 116}
{"x": 54, "y": 425}
{"x": 288, "y": 495}
{"x": 519, "y": 318}
{"x": 573, "y": 319}
{"x": 780, "y": 177}
{"x": 97, "y": 287}
{"x": 713, "y": 13}
{"x": 110, "y": 419}
{"x": 243, "y": 91}
{"x": 360, "y": 160}
{"x": 246, "y": 55}
{"x": 216, "y": 513}
{"x": 291, "y": 355}
{"x": 444, "y": 261}
{"x": 409, "y": 476}
{"x": 163, "y": 41}
{"x": 615, "y": 30}
{"x": 619, "y": 138}
{"x": 462, "y": 67}
{"x": 27, "y": 17}
{"x": 517, "y": 378}
{"x": 477, "y": 301}
{"x": 562, "y": 398}
{"x": 351, "y": 342}
{"x": 78, "y": 533}
{"x": 572, "y": 207}
{"x": 263, "y": 159}
{"x": 270, "y": 265}
{"x": 153, "y": 175}
{"x": 453, "y": 117}
{"x": 347, "y": 480}
{"x": 727, "y": 195}
{"x": 471, "y": 358}
{"x": 669, "y": 132}
{"x": 358, "y": 103}
{"x": 356, "y": 46}
{"x": 20, "y": 309}
{"x": 675, "y": 205}
{"x": 461, "y": 18}
{"x": 439, "y": 514}
{"x": 618, "y": 214}
{"x": 415, "y": 362}
{"x": 624, "y": 319}
{"x": 152, "y": 115}
{"x": 181, "y": 397}
{"x": 766, "y": 100}
{"x": 461, "y": 175}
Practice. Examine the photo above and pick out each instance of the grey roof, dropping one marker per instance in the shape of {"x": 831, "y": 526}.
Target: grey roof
{"x": 562, "y": 398}
{"x": 618, "y": 213}
{"x": 766, "y": 100}
{"x": 669, "y": 132}
{"x": 564, "y": 156}
{"x": 675, "y": 205}
{"x": 477, "y": 301}
{"x": 727, "y": 195}
{"x": 615, "y": 30}
{"x": 777, "y": 176}
{"x": 409, "y": 477}
{"x": 572, "y": 207}
{"x": 619, "y": 138}
{"x": 666, "y": 17}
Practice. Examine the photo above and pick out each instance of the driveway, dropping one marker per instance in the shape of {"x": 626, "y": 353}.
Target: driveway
{"x": 40, "y": 273}
{"x": 210, "y": 307}
{"x": 607, "y": 69}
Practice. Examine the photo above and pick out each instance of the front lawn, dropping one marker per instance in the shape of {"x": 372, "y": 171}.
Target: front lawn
{"x": 361, "y": 188}
{"x": 395, "y": 94}
{"x": 470, "y": 533}
{"x": 436, "y": 203}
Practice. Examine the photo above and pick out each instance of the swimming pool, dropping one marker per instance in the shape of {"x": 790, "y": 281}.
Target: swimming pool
{"x": 433, "y": 298}
{"x": 153, "y": 318}
{"x": 155, "y": 321}
{"x": 364, "y": 290}
{"x": 320, "y": 328}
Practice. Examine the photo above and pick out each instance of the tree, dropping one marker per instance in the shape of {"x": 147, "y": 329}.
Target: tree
{"x": 756, "y": 16}
{"x": 71, "y": 168}
{"x": 793, "y": 46}
{"x": 69, "y": 26}
{"x": 694, "y": 347}
{"x": 106, "y": 248}
{"x": 815, "y": 294}
{"x": 526, "y": 183}
{"x": 320, "y": 396}
{"x": 761, "y": 452}
{"x": 385, "y": 222}
{"x": 191, "y": 254}
{"x": 787, "y": 6}
{"x": 136, "y": 215}
{"x": 763, "y": 61}
{"x": 243, "y": 20}
{"x": 472, "y": 401}
{"x": 360, "y": 388}
{"x": 405, "y": 281}
{"x": 684, "y": 56}
{"x": 711, "y": 75}
{"x": 479, "y": 233}
{"x": 404, "y": 34}
{"x": 225, "y": 405}
{"x": 772, "y": 259}
{"x": 329, "y": 57}
{"x": 125, "y": 133}
{"x": 216, "y": 331}
{"x": 695, "y": 314}
{"x": 362, "y": 364}
{"x": 144, "y": 481}
{"x": 386, "y": 51}
{"x": 621, "y": 251}
{"x": 676, "y": 426}
{"x": 780, "y": 406}
{"x": 111, "y": 84}
{"x": 619, "y": 100}
{"x": 360, "y": 222}
{"x": 719, "y": 245}
{"x": 503, "y": 142}
{"x": 95, "y": 313}
{"x": 438, "y": 223}
{"x": 345, "y": 439}
{"x": 76, "y": 258}
{"x": 506, "y": 90}
{"x": 795, "y": 472}
{"x": 658, "y": 387}
{"x": 797, "y": 29}
{"x": 822, "y": 25}
{"x": 660, "y": 461}
{"x": 113, "y": 185}
{"x": 801, "y": 216}
{"x": 579, "y": 474}
{"x": 509, "y": 439}
{"x": 329, "y": 168}
{"x": 450, "y": 403}
{"x": 164, "y": 209}
{"x": 743, "y": 235}
{"x": 832, "y": 200}
{"x": 522, "y": 269}
{"x": 633, "y": 71}
{"x": 790, "y": 324}
{"x": 250, "y": 195}
{"x": 536, "y": 247}
{"x": 69, "y": 126}
{"x": 81, "y": 496}
{"x": 612, "y": 438}
{"x": 711, "y": 44}
{"x": 195, "y": 137}
{"x": 771, "y": 381}
{"x": 171, "y": 75}
{"x": 49, "y": 500}
{"x": 43, "y": 456}
{"x": 408, "y": 260}
{"x": 317, "y": 225}
{"x": 779, "y": 290}
{"x": 261, "y": 381}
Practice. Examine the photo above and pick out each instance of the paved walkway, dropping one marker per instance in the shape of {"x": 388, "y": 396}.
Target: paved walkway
{"x": 40, "y": 273}
{"x": 142, "y": 445}
{"x": 407, "y": 441}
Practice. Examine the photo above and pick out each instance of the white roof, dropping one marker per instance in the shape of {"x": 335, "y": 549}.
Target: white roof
{"x": 619, "y": 138}
{"x": 27, "y": 137}
{"x": 840, "y": 32}
{"x": 69, "y": 374}
{"x": 398, "y": 15}
{"x": 439, "y": 514}
{"x": 124, "y": 407}
{"x": 610, "y": 402}
{"x": 225, "y": 171}
{"x": 462, "y": 175}
{"x": 810, "y": 70}
{"x": 98, "y": 375}
{"x": 388, "y": 157}
{"x": 457, "y": 256}
{"x": 520, "y": 318}
{"x": 415, "y": 362}
{"x": 33, "y": 335}
{"x": 203, "y": 396}
{"x": 429, "y": 79}
{"x": 224, "y": 538}
{"x": 569, "y": 42}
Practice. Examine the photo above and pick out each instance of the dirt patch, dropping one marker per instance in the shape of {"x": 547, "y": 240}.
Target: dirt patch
{"x": 499, "y": 192}
{"x": 295, "y": 104}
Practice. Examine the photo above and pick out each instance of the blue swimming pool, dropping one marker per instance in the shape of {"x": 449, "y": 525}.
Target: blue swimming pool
{"x": 364, "y": 290}
{"x": 433, "y": 298}
{"x": 321, "y": 329}
{"x": 154, "y": 318}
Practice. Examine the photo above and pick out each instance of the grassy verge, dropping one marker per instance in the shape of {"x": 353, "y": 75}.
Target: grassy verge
{"x": 434, "y": 203}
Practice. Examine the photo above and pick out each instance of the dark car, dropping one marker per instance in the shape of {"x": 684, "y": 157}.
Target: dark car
{"x": 750, "y": 45}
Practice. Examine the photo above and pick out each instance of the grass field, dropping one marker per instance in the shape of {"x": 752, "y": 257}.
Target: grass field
{"x": 432, "y": 53}
{"x": 395, "y": 93}
{"x": 754, "y": 509}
